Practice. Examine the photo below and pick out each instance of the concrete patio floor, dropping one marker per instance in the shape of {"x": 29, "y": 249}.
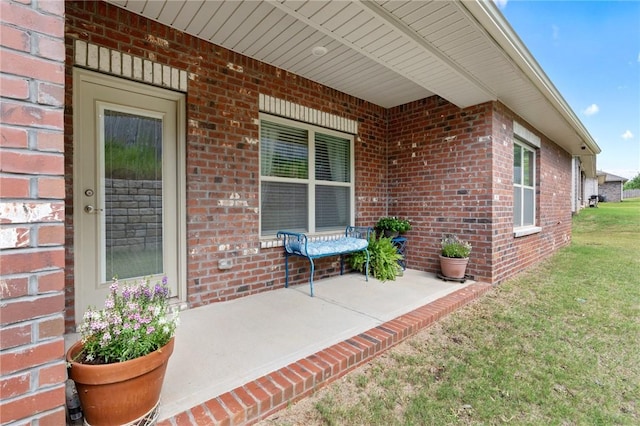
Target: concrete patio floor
{"x": 237, "y": 362}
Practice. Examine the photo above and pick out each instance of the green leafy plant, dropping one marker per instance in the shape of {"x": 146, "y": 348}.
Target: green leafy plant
{"x": 383, "y": 259}
{"x": 452, "y": 246}
{"x": 134, "y": 322}
{"x": 393, "y": 224}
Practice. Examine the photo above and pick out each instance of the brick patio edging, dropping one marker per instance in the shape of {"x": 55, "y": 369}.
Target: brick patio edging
{"x": 260, "y": 398}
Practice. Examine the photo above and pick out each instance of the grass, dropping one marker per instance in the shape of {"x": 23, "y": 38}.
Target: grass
{"x": 557, "y": 345}
{"x": 131, "y": 162}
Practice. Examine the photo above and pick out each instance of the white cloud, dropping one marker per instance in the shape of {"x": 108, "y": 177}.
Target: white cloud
{"x": 627, "y": 135}
{"x": 591, "y": 110}
{"x": 501, "y": 3}
{"x": 638, "y": 56}
{"x": 555, "y": 32}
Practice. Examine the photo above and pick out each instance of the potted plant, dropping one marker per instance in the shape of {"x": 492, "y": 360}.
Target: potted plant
{"x": 118, "y": 365}
{"x": 454, "y": 256}
{"x": 392, "y": 226}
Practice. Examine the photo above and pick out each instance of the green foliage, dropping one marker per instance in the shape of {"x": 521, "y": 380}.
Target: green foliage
{"x": 452, "y": 246}
{"x": 138, "y": 162}
{"x": 393, "y": 224}
{"x": 383, "y": 259}
{"x": 633, "y": 183}
{"x": 297, "y": 169}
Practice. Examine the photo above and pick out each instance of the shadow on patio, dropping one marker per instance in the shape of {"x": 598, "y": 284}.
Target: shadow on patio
{"x": 236, "y": 362}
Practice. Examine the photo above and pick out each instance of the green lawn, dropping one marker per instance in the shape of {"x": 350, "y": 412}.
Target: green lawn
{"x": 557, "y": 345}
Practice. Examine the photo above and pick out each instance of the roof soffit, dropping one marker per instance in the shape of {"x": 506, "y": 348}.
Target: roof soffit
{"x": 387, "y": 52}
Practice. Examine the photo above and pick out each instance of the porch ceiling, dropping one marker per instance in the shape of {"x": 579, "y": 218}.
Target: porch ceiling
{"x": 387, "y": 52}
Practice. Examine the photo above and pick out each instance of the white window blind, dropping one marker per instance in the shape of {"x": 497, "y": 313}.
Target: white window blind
{"x": 284, "y": 151}
{"x": 306, "y": 177}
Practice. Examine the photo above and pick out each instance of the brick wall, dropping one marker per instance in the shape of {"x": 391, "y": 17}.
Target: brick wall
{"x": 553, "y": 193}
{"x": 451, "y": 171}
{"x": 222, "y": 157}
{"x": 440, "y": 167}
{"x": 611, "y": 191}
{"x": 32, "y": 213}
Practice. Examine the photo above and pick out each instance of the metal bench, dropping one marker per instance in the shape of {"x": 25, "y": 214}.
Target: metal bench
{"x": 356, "y": 239}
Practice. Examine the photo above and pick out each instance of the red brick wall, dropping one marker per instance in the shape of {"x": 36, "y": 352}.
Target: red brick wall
{"x": 511, "y": 255}
{"x": 451, "y": 171}
{"x": 222, "y": 161}
{"x": 32, "y": 212}
{"x": 440, "y": 178}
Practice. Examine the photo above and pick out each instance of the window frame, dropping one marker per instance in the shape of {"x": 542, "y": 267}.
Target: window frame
{"x": 311, "y": 180}
{"x": 520, "y": 229}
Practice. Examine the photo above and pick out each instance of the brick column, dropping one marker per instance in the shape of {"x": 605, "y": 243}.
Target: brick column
{"x": 32, "y": 195}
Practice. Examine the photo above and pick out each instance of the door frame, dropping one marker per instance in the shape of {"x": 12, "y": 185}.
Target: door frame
{"x": 81, "y": 75}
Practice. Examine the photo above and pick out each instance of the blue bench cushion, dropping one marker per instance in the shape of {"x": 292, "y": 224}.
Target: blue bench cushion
{"x": 342, "y": 245}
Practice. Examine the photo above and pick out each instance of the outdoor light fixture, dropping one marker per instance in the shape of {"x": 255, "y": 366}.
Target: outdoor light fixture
{"x": 319, "y": 51}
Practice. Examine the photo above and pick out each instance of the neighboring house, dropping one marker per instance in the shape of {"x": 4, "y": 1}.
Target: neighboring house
{"x": 610, "y": 186}
{"x": 254, "y": 117}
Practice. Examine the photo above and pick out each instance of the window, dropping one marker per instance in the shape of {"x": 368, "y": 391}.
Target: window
{"x": 306, "y": 177}
{"x": 524, "y": 185}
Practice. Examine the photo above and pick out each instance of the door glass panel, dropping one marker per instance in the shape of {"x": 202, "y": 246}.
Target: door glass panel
{"x": 132, "y": 227}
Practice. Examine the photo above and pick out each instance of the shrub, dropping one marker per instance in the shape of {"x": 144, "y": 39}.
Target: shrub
{"x": 383, "y": 259}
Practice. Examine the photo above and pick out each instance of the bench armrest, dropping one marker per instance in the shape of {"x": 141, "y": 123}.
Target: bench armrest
{"x": 294, "y": 242}
{"x": 363, "y": 232}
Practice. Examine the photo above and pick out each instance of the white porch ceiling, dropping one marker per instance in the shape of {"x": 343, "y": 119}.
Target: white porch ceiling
{"x": 388, "y": 52}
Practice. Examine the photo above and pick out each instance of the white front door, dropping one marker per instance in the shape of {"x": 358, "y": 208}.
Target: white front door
{"x": 128, "y": 180}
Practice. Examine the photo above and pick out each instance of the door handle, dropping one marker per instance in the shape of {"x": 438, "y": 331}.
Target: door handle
{"x": 91, "y": 210}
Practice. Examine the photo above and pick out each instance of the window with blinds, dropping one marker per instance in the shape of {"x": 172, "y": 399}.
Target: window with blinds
{"x": 306, "y": 177}
{"x": 524, "y": 184}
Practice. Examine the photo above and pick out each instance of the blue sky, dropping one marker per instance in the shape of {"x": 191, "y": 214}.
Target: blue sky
{"x": 591, "y": 52}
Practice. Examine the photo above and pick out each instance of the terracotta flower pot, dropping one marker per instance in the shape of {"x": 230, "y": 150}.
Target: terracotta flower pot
{"x": 453, "y": 267}
{"x": 119, "y": 393}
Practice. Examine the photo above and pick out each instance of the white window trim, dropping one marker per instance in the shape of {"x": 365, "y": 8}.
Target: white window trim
{"x": 114, "y": 62}
{"x": 282, "y": 108}
{"x": 310, "y": 181}
{"x": 521, "y": 231}
{"x": 526, "y": 230}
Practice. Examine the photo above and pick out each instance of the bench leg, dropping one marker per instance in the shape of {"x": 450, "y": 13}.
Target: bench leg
{"x": 311, "y": 275}
{"x": 286, "y": 270}
{"x": 367, "y": 266}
